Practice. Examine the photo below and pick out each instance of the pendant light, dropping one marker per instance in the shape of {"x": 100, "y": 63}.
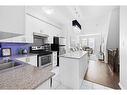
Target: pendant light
{"x": 75, "y": 22}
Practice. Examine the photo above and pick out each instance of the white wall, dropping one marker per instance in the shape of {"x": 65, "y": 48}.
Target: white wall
{"x": 123, "y": 47}
{"x": 93, "y": 26}
{"x": 113, "y": 34}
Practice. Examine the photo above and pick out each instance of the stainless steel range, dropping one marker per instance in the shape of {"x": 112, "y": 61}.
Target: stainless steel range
{"x": 43, "y": 55}
{"x": 44, "y": 60}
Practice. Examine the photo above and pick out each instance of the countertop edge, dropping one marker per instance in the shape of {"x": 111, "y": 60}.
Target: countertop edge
{"x": 44, "y": 80}
{"x": 73, "y": 57}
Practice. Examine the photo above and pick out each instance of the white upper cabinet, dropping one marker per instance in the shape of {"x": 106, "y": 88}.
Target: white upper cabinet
{"x": 12, "y": 19}
{"x": 17, "y": 25}
{"x": 18, "y": 39}
{"x": 31, "y": 26}
{"x": 37, "y": 25}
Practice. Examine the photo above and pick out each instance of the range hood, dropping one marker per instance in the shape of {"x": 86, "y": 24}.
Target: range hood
{"x": 40, "y": 35}
{"x": 5, "y": 35}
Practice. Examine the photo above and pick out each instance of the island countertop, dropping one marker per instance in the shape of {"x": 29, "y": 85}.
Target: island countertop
{"x": 24, "y": 77}
{"x": 76, "y": 54}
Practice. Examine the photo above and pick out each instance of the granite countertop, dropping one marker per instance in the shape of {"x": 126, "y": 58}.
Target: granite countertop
{"x": 24, "y": 77}
{"x": 75, "y": 55}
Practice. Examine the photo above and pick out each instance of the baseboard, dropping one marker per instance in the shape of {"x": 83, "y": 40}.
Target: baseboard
{"x": 121, "y": 86}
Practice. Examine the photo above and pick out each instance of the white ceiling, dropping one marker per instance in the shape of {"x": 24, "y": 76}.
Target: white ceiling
{"x": 63, "y": 14}
{"x": 90, "y": 12}
{"x": 60, "y": 14}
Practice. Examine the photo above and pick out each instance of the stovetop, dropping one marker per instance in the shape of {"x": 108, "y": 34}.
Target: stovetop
{"x": 41, "y": 53}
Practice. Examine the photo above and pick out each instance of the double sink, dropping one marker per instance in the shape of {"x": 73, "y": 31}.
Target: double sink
{"x": 5, "y": 64}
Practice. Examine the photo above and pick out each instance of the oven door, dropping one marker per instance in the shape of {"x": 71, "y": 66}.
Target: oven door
{"x": 44, "y": 60}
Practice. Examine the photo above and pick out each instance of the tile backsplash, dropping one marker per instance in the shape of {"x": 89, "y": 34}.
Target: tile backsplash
{"x": 15, "y": 47}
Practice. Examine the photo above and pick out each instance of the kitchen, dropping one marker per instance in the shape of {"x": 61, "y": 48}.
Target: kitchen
{"x": 41, "y": 42}
{"x": 23, "y": 38}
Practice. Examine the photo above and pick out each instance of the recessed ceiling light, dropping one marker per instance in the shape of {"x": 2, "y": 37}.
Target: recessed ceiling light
{"x": 48, "y": 10}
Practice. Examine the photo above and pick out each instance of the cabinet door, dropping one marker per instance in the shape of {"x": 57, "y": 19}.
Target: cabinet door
{"x": 19, "y": 39}
{"x": 54, "y": 59}
{"x": 32, "y": 60}
{"x": 12, "y": 19}
{"x": 31, "y": 26}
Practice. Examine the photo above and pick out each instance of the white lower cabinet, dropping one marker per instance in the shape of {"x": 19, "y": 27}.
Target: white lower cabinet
{"x": 32, "y": 60}
{"x": 54, "y": 58}
{"x": 73, "y": 70}
{"x": 45, "y": 85}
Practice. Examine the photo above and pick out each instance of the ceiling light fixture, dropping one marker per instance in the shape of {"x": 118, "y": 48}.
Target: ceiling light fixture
{"x": 48, "y": 10}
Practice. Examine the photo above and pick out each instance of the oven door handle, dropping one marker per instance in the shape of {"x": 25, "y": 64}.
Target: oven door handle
{"x": 45, "y": 55}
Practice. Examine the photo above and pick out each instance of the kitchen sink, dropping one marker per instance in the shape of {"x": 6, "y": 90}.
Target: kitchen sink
{"x": 9, "y": 64}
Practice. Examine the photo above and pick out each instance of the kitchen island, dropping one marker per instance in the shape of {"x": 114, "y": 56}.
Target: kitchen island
{"x": 73, "y": 67}
{"x": 24, "y": 76}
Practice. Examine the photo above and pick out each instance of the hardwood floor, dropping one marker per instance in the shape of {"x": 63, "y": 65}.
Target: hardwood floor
{"x": 99, "y": 72}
